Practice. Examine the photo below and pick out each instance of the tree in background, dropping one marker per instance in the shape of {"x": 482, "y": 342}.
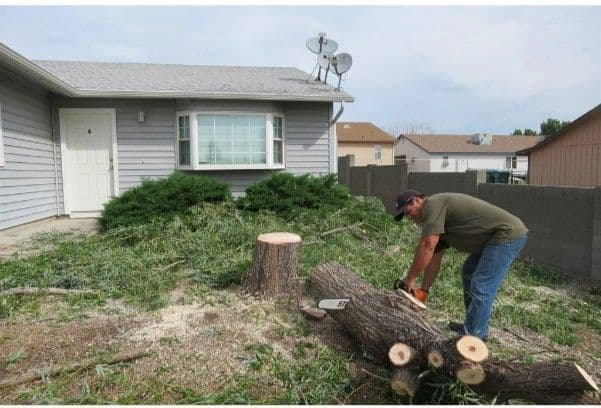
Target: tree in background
{"x": 552, "y": 126}
{"x": 526, "y": 132}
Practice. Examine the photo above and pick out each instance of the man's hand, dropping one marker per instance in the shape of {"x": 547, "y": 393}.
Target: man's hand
{"x": 408, "y": 285}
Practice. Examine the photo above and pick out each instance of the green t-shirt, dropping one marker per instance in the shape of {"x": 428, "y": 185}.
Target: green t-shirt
{"x": 468, "y": 223}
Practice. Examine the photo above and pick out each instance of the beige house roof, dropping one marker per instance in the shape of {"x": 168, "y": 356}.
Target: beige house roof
{"x": 362, "y": 132}
{"x": 464, "y": 144}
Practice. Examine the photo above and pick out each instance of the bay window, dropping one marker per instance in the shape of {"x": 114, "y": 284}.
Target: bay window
{"x": 224, "y": 140}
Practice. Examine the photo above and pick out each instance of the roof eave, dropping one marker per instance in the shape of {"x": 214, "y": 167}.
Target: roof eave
{"x": 39, "y": 74}
{"x": 89, "y": 93}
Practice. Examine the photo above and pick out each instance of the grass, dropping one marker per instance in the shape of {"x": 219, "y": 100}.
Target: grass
{"x": 211, "y": 248}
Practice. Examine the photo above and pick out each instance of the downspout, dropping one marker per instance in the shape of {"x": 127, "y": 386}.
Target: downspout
{"x": 335, "y": 118}
{"x": 52, "y": 124}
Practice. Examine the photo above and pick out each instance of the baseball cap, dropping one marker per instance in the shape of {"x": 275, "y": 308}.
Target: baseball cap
{"x": 404, "y": 199}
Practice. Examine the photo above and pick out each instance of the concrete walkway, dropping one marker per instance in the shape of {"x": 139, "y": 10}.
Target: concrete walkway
{"x": 12, "y": 238}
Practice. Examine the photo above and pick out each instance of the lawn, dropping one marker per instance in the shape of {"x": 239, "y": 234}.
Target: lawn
{"x": 172, "y": 288}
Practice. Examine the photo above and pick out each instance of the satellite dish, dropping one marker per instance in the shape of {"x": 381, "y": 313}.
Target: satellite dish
{"x": 341, "y": 63}
{"x": 321, "y": 44}
{"x": 323, "y": 59}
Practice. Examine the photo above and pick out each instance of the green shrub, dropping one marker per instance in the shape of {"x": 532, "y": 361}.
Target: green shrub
{"x": 285, "y": 193}
{"x": 161, "y": 198}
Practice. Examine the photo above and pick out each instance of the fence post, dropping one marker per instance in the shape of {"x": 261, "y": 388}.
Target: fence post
{"x": 595, "y": 272}
{"x": 472, "y": 179}
{"x": 369, "y": 179}
{"x": 344, "y": 170}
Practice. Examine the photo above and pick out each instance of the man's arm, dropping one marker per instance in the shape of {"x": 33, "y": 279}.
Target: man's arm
{"x": 421, "y": 259}
{"x": 432, "y": 270}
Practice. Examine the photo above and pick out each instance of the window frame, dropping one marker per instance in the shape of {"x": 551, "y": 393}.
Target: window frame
{"x": 377, "y": 149}
{"x": 513, "y": 162}
{"x": 445, "y": 161}
{"x": 194, "y": 165}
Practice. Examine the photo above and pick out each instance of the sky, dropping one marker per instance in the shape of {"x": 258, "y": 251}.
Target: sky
{"x": 439, "y": 69}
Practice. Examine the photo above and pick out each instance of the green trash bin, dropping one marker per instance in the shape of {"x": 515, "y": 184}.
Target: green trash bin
{"x": 503, "y": 177}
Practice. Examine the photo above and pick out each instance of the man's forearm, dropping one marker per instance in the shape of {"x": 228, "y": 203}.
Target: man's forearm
{"x": 423, "y": 255}
{"x": 432, "y": 270}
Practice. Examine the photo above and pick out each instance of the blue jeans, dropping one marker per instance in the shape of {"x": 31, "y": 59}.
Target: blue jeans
{"x": 482, "y": 275}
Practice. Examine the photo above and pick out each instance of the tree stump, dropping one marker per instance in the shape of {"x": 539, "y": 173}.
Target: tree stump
{"x": 275, "y": 266}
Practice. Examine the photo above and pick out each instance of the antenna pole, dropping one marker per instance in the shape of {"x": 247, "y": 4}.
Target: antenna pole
{"x": 321, "y": 35}
{"x": 339, "y": 79}
{"x": 325, "y": 80}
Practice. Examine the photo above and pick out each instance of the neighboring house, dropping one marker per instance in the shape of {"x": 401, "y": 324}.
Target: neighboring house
{"x": 74, "y": 134}
{"x": 366, "y": 142}
{"x": 458, "y": 153}
{"x": 571, "y": 157}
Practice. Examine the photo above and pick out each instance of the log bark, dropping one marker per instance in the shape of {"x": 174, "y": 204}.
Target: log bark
{"x": 382, "y": 319}
{"x": 275, "y": 266}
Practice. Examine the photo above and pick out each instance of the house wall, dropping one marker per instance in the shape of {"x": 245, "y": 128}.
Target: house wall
{"x": 148, "y": 149}
{"x": 417, "y": 158}
{"x": 365, "y": 153}
{"x": 574, "y": 159}
{"x": 459, "y": 162}
{"x": 29, "y": 180}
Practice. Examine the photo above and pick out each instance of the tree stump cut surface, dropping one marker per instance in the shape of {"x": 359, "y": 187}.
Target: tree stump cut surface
{"x": 275, "y": 265}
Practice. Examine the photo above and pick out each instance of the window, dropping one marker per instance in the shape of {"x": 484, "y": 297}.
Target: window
{"x": 224, "y": 140}
{"x": 278, "y": 140}
{"x": 378, "y": 151}
{"x": 1, "y": 139}
{"x": 445, "y": 161}
{"x": 400, "y": 159}
{"x": 183, "y": 137}
{"x": 511, "y": 162}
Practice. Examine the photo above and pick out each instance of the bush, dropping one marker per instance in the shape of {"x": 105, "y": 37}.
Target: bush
{"x": 161, "y": 198}
{"x": 285, "y": 193}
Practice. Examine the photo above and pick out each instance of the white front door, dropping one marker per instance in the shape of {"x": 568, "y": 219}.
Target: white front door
{"x": 87, "y": 137}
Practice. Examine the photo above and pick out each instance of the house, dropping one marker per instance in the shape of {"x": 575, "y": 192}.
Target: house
{"x": 571, "y": 157}
{"x": 458, "y": 153}
{"x": 74, "y": 134}
{"x": 366, "y": 142}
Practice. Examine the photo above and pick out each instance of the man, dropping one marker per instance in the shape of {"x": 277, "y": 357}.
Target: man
{"x": 492, "y": 236}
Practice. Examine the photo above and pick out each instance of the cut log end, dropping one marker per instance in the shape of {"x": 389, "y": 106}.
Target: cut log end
{"x": 404, "y": 381}
{"x": 587, "y": 378}
{"x": 472, "y": 374}
{"x": 472, "y": 348}
{"x": 279, "y": 238}
{"x": 400, "y": 354}
{"x": 413, "y": 300}
{"x": 435, "y": 359}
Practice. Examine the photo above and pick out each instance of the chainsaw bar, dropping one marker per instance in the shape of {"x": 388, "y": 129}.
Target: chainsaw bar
{"x": 333, "y": 304}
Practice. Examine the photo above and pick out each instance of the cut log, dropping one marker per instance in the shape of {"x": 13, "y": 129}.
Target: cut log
{"x": 80, "y": 365}
{"x": 380, "y": 320}
{"x": 275, "y": 266}
{"x": 400, "y": 354}
{"x": 313, "y": 313}
{"x": 405, "y": 380}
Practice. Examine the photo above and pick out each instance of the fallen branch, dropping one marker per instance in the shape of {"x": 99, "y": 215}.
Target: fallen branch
{"x": 171, "y": 265}
{"x": 80, "y": 365}
{"x": 340, "y": 229}
{"x": 46, "y": 291}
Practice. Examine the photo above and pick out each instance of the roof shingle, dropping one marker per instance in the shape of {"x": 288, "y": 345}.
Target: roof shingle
{"x": 362, "y": 132}
{"x": 463, "y": 143}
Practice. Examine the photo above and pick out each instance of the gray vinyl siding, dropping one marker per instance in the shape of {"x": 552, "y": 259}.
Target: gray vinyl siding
{"x": 144, "y": 150}
{"x": 28, "y": 180}
{"x": 307, "y": 138}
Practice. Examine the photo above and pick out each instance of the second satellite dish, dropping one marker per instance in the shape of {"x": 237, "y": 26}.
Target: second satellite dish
{"x": 341, "y": 63}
